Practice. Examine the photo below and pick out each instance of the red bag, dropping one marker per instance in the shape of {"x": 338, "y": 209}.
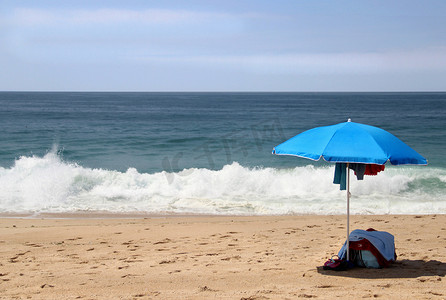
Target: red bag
{"x": 336, "y": 264}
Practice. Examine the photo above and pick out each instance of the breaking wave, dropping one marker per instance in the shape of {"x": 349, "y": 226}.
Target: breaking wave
{"x": 49, "y": 184}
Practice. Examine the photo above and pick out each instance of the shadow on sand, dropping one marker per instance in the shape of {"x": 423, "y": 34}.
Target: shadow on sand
{"x": 399, "y": 269}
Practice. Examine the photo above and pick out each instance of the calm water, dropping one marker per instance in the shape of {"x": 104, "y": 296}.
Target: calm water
{"x": 207, "y": 152}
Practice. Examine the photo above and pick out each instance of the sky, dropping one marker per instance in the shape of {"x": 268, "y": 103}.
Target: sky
{"x": 289, "y": 45}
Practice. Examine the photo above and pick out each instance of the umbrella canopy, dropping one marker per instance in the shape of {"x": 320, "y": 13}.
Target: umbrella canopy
{"x": 350, "y": 142}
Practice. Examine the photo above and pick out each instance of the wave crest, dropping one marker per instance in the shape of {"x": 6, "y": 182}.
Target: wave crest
{"x": 49, "y": 184}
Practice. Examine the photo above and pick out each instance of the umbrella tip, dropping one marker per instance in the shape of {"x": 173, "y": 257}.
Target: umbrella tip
{"x": 349, "y": 120}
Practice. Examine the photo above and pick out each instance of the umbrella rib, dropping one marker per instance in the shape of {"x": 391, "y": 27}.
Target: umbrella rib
{"x": 301, "y": 156}
{"x": 326, "y": 145}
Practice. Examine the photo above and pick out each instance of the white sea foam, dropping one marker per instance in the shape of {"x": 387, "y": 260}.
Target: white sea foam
{"x": 49, "y": 184}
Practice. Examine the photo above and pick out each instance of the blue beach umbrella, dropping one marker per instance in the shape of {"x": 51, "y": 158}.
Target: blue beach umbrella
{"x": 350, "y": 142}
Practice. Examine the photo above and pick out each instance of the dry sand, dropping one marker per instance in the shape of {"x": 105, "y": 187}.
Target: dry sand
{"x": 214, "y": 258}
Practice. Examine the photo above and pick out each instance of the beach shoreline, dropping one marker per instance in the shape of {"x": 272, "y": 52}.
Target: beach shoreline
{"x": 201, "y": 256}
{"x": 81, "y": 215}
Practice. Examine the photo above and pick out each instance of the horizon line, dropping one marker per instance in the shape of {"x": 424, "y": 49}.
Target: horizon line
{"x": 203, "y": 91}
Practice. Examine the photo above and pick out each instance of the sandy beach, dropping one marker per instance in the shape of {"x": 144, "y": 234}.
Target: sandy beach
{"x": 202, "y": 257}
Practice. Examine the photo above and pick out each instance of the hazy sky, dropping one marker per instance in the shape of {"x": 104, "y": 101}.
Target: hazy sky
{"x": 294, "y": 45}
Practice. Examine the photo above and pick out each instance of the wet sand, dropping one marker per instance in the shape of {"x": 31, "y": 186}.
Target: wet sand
{"x": 202, "y": 257}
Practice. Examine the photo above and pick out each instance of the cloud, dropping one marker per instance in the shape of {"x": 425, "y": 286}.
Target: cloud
{"x": 75, "y": 34}
{"x": 244, "y": 42}
{"x": 190, "y": 38}
{"x": 33, "y": 17}
{"x": 317, "y": 63}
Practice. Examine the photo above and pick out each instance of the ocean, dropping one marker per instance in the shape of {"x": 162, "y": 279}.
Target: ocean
{"x": 207, "y": 153}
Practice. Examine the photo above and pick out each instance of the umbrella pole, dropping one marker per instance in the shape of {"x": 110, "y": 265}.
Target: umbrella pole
{"x": 348, "y": 213}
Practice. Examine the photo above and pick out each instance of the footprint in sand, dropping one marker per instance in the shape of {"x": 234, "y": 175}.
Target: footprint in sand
{"x": 129, "y": 275}
{"x": 167, "y": 262}
{"x": 273, "y": 269}
{"x": 139, "y": 295}
{"x": 206, "y": 289}
{"x": 368, "y": 296}
{"x": 14, "y": 259}
{"x": 123, "y": 267}
{"x": 162, "y": 249}
{"x": 306, "y": 296}
{"x": 166, "y": 240}
{"x": 37, "y": 245}
{"x": 313, "y": 226}
{"x": 435, "y": 293}
{"x": 324, "y": 286}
